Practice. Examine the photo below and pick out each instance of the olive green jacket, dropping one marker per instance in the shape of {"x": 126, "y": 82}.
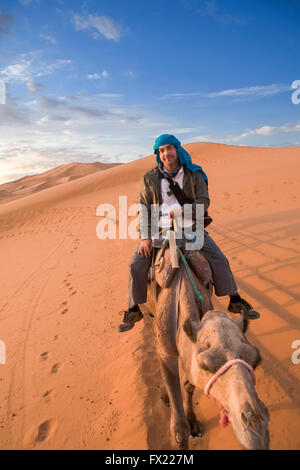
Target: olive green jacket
{"x": 194, "y": 187}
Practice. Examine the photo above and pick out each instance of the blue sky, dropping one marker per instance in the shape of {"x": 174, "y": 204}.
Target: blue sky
{"x": 100, "y": 80}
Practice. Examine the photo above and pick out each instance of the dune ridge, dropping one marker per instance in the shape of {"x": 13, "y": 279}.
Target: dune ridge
{"x": 59, "y": 175}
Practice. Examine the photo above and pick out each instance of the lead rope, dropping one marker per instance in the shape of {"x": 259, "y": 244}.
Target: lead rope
{"x": 189, "y": 272}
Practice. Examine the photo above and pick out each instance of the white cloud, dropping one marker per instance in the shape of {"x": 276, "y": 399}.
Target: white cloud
{"x": 182, "y": 130}
{"x": 266, "y": 131}
{"x": 45, "y": 120}
{"x": 97, "y": 76}
{"x": 29, "y": 66}
{"x": 16, "y": 73}
{"x": 202, "y": 138}
{"x": 267, "y": 90}
{"x": 48, "y": 69}
{"x": 253, "y": 91}
{"x": 49, "y": 38}
{"x": 99, "y": 25}
{"x": 110, "y": 95}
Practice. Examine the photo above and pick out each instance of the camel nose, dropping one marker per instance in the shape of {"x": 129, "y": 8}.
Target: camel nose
{"x": 251, "y": 418}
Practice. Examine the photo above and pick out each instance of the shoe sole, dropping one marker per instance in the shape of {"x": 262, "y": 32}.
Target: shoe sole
{"x": 127, "y": 326}
{"x": 251, "y": 314}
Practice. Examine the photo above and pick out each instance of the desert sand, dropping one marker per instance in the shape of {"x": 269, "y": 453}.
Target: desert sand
{"x": 71, "y": 380}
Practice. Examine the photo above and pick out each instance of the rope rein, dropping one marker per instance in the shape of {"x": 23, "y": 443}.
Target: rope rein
{"x": 189, "y": 272}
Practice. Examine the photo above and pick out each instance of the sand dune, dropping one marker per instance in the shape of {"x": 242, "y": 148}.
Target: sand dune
{"x": 62, "y": 174}
{"x": 71, "y": 381}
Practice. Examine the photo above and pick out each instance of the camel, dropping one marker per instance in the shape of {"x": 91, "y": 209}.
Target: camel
{"x": 193, "y": 342}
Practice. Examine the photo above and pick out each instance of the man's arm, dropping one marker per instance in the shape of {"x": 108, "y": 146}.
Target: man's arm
{"x": 201, "y": 193}
{"x": 145, "y": 247}
{"x": 145, "y": 212}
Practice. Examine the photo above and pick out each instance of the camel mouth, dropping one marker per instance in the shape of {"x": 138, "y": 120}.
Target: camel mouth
{"x": 250, "y": 424}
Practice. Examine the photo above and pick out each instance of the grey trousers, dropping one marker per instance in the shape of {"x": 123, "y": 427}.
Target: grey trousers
{"x": 223, "y": 279}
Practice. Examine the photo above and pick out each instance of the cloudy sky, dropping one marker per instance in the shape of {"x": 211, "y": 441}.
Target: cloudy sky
{"x": 100, "y": 80}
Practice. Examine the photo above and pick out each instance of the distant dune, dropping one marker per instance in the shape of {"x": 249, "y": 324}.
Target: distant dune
{"x": 71, "y": 380}
{"x": 62, "y": 174}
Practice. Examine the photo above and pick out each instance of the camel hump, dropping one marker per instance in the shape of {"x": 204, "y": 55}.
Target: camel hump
{"x": 199, "y": 265}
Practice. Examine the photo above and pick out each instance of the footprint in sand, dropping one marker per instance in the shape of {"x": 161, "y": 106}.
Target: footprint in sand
{"x": 41, "y": 433}
{"x": 64, "y": 311}
{"x": 55, "y": 368}
{"x": 44, "y": 355}
{"x": 48, "y": 395}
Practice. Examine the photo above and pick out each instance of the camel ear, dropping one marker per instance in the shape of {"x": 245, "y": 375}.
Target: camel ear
{"x": 190, "y": 328}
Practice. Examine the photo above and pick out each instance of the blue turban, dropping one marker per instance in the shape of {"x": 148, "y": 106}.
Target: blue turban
{"x": 183, "y": 156}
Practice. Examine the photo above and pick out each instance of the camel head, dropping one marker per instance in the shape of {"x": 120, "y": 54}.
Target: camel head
{"x": 216, "y": 340}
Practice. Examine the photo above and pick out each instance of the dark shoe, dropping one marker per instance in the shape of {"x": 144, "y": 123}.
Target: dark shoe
{"x": 130, "y": 318}
{"x": 242, "y": 306}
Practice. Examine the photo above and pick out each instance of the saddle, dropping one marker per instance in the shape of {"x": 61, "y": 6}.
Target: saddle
{"x": 163, "y": 272}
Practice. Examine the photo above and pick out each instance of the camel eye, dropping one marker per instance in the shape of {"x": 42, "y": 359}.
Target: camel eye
{"x": 204, "y": 347}
{"x": 204, "y": 361}
{"x": 251, "y": 355}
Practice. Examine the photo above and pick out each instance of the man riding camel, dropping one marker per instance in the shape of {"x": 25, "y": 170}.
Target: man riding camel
{"x": 174, "y": 165}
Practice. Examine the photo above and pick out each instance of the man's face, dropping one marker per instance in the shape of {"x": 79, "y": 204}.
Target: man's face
{"x": 169, "y": 157}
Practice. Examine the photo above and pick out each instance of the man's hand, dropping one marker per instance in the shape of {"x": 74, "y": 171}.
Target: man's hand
{"x": 145, "y": 248}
